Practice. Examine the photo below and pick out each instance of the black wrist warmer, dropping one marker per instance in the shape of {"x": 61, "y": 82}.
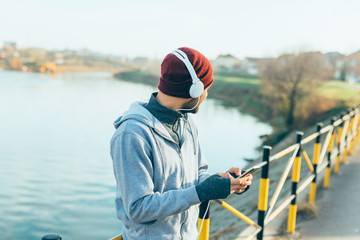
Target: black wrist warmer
{"x": 214, "y": 187}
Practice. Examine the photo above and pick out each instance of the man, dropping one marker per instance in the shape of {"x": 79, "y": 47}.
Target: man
{"x": 160, "y": 171}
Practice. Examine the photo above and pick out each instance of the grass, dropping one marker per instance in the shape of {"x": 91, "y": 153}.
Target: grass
{"x": 333, "y": 89}
{"x": 239, "y": 85}
{"x": 341, "y": 91}
{"x": 244, "y": 92}
{"x": 240, "y": 82}
{"x": 138, "y": 76}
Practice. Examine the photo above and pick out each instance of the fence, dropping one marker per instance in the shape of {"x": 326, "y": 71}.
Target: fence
{"x": 339, "y": 139}
{"x": 341, "y": 136}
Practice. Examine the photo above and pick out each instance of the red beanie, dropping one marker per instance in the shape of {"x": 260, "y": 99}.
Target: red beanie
{"x": 175, "y": 78}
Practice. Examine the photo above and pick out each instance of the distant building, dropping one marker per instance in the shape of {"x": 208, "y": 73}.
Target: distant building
{"x": 336, "y": 61}
{"x": 227, "y": 62}
{"x": 333, "y": 57}
{"x": 11, "y": 46}
{"x": 251, "y": 65}
{"x": 124, "y": 59}
{"x": 353, "y": 67}
{"x": 141, "y": 61}
{"x": 58, "y": 57}
{"x": 339, "y": 69}
{"x": 347, "y": 68}
{"x": 248, "y": 65}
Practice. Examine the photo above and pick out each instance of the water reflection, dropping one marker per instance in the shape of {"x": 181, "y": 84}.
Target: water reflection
{"x": 56, "y": 173}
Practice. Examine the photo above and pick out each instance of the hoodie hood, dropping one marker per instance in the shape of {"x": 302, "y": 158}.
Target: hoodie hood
{"x": 139, "y": 113}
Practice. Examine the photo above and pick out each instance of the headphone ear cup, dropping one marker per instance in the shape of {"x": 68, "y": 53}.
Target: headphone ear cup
{"x": 196, "y": 89}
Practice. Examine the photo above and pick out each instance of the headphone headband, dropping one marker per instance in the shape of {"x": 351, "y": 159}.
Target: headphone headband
{"x": 197, "y": 87}
{"x": 183, "y": 57}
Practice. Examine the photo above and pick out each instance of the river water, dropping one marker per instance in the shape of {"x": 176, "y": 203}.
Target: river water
{"x": 55, "y": 169}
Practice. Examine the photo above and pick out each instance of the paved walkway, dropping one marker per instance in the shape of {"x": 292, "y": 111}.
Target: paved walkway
{"x": 339, "y": 206}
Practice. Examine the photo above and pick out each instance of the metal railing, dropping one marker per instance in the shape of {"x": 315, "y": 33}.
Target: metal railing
{"x": 341, "y": 136}
{"x": 339, "y": 139}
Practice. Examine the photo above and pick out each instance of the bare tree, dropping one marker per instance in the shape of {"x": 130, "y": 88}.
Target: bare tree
{"x": 289, "y": 78}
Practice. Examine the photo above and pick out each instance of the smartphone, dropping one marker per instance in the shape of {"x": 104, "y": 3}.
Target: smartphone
{"x": 248, "y": 171}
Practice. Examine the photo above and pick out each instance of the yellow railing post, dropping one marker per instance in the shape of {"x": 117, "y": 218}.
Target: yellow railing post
{"x": 338, "y": 146}
{"x": 357, "y": 127}
{"x": 317, "y": 149}
{"x": 204, "y": 221}
{"x": 295, "y": 181}
{"x": 345, "y": 153}
{"x": 353, "y": 130}
{"x": 263, "y": 191}
{"x": 349, "y": 133}
{"x": 330, "y": 147}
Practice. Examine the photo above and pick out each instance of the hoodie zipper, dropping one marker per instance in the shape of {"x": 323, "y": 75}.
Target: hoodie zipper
{"x": 179, "y": 148}
{"x": 180, "y": 156}
{"x": 182, "y": 170}
{"x": 183, "y": 176}
{"x": 182, "y": 167}
{"x": 193, "y": 137}
{"x": 182, "y": 182}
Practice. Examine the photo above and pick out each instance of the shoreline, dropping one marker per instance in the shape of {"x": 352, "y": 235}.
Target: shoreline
{"x": 219, "y": 91}
{"x": 60, "y": 69}
{"x": 244, "y": 93}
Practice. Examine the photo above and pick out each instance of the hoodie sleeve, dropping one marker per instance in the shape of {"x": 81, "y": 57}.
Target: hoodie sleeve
{"x": 134, "y": 173}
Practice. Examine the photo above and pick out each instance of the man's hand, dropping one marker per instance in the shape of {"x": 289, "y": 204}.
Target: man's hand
{"x": 237, "y": 185}
{"x": 221, "y": 185}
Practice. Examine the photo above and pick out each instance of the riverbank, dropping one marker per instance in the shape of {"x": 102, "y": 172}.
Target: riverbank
{"x": 240, "y": 91}
{"x": 82, "y": 68}
{"x": 244, "y": 92}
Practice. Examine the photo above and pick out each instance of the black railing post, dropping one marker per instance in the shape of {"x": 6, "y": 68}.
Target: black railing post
{"x": 330, "y": 148}
{"x": 295, "y": 181}
{"x": 317, "y": 150}
{"x": 351, "y": 147}
{"x": 263, "y": 191}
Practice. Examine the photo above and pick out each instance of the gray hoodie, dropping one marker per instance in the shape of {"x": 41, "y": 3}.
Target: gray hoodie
{"x": 155, "y": 178}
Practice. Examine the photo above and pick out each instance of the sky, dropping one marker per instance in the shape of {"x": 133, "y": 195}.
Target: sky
{"x": 244, "y": 28}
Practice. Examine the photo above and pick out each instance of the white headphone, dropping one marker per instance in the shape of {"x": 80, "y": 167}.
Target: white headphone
{"x": 197, "y": 87}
